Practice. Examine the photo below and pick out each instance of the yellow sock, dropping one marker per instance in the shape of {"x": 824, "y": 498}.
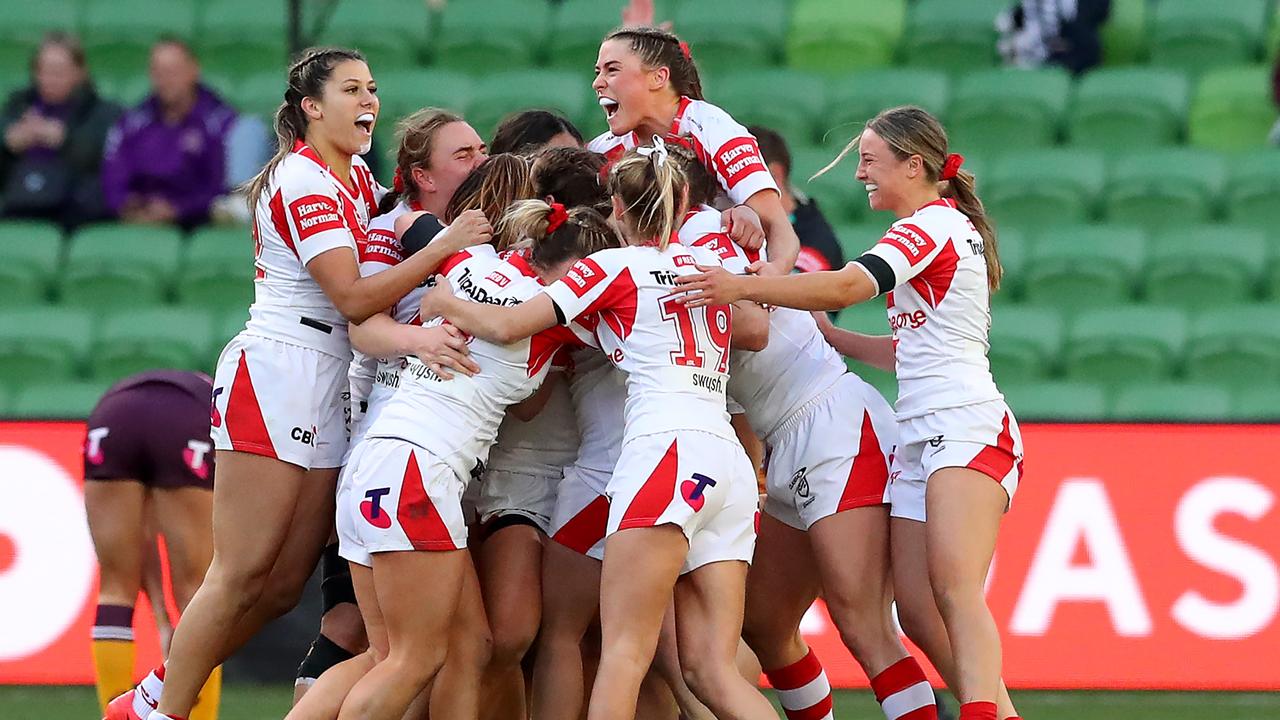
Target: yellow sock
{"x": 206, "y": 707}
{"x": 112, "y": 668}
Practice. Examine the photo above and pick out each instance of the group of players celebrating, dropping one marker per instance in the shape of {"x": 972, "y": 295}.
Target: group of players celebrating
{"x": 537, "y": 451}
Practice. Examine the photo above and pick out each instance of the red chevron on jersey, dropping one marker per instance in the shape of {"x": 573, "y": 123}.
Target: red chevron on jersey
{"x": 935, "y": 281}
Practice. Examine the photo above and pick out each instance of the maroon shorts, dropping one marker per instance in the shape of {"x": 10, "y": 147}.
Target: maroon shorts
{"x": 155, "y": 433}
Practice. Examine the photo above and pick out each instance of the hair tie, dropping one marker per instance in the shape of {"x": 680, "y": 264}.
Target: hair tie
{"x": 951, "y": 166}
{"x": 684, "y": 50}
{"x": 557, "y": 217}
{"x": 397, "y": 181}
{"x": 657, "y": 152}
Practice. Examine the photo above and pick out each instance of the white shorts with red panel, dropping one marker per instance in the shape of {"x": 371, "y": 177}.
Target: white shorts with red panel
{"x": 983, "y": 437}
{"x": 831, "y": 455}
{"x": 528, "y": 495}
{"x": 581, "y": 516}
{"x": 699, "y": 481}
{"x": 394, "y": 496}
{"x": 281, "y": 401}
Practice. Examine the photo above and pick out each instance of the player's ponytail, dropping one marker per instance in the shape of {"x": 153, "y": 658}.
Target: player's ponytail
{"x": 961, "y": 188}
{"x": 660, "y": 48}
{"x": 556, "y": 234}
{"x": 306, "y": 78}
{"x": 415, "y": 139}
{"x": 654, "y": 193}
{"x": 491, "y": 188}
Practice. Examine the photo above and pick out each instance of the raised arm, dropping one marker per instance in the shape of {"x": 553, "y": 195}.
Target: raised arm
{"x": 827, "y": 290}
{"x": 494, "y": 323}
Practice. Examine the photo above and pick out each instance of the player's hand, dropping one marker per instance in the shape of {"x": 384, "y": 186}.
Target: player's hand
{"x": 443, "y": 348}
{"x": 766, "y": 269}
{"x": 436, "y": 299}
{"x": 469, "y": 228}
{"x": 713, "y": 286}
{"x": 742, "y": 224}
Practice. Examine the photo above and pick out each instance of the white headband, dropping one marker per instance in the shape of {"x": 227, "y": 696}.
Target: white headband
{"x": 657, "y": 153}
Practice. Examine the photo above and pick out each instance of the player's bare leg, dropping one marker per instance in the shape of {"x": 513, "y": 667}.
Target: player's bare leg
{"x": 510, "y": 563}
{"x": 964, "y": 508}
{"x": 116, "y": 510}
{"x": 640, "y": 568}
{"x": 781, "y": 585}
{"x": 709, "y": 606}
{"x": 917, "y": 610}
{"x": 417, "y": 628}
{"x": 666, "y": 664}
{"x": 455, "y": 693}
{"x": 570, "y": 603}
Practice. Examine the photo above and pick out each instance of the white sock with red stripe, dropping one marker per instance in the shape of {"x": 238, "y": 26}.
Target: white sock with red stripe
{"x": 803, "y": 689}
{"x": 148, "y": 694}
{"x": 904, "y": 693}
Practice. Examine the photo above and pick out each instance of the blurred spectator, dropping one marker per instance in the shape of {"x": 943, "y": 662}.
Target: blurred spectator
{"x": 166, "y": 158}
{"x": 1053, "y": 32}
{"x": 819, "y": 247}
{"x": 54, "y": 131}
{"x": 531, "y": 130}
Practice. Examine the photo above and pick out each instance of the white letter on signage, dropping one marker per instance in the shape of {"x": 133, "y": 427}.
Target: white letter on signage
{"x": 1247, "y": 565}
{"x": 1081, "y": 513}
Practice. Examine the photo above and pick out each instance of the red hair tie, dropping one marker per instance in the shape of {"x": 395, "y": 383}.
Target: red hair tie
{"x": 557, "y": 217}
{"x": 951, "y": 166}
{"x": 397, "y": 181}
{"x": 684, "y": 50}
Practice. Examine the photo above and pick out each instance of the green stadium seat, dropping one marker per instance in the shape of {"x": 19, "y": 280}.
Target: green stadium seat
{"x": 578, "y": 27}
{"x": 118, "y": 35}
{"x": 1171, "y": 401}
{"x": 842, "y": 198}
{"x": 780, "y": 99}
{"x": 1124, "y": 36}
{"x": 948, "y": 34}
{"x": 830, "y": 36}
{"x": 1025, "y": 343}
{"x": 1124, "y": 343}
{"x": 261, "y": 94}
{"x": 1195, "y": 35}
{"x": 1085, "y": 266}
{"x": 733, "y": 34}
{"x": 241, "y": 37}
{"x": 57, "y": 401}
{"x": 22, "y": 25}
{"x": 855, "y": 239}
{"x": 1235, "y": 346}
{"x": 404, "y": 91}
{"x": 500, "y": 94}
{"x": 1252, "y": 195}
{"x": 1256, "y": 404}
{"x": 224, "y": 328}
{"x": 1232, "y": 109}
{"x": 1164, "y": 188}
{"x": 1129, "y": 107}
{"x": 29, "y": 257}
{"x": 138, "y": 340}
{"x": 217, "y": 270}
{"x": 484, "y": 37}
{"x": 1205, "y": 266}
{"x": 391, "y": 34}
{"x": 855, "y": 98}
{"x": 869, "y": 318}
{"x": 1014, "y": 249}
{"x": 118, "y": 266}
{"x": 1061, "y": 401}
{"x": 42, "y": 343}
{"x": 1007, "y": 109}
{"x": 1038, "y": 188}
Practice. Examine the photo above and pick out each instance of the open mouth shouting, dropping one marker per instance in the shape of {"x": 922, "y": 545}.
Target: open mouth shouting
{"x": 365, "y": 123}
{"x": 610, "y": 106}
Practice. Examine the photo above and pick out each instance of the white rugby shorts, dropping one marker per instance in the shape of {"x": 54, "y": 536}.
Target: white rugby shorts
{"x": 281, "y": 401}
{"x": 581, "y": 515}
{"x": 529, "y": 495}
{"x": 982, "y": 437}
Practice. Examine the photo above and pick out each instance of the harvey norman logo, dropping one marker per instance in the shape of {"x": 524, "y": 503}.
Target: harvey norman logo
{"x": 739, "y": 158}
{"x": 314, "y": 214}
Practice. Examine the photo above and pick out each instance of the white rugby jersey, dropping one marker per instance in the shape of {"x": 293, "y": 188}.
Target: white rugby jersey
{"x": 796, "y": 366}
{"x": 676, "y": 357}
{"x": 542, "y": 446}
{"x": 723, "y": 145}
{"x": 599, "y": 393}
{"x": 457, "y": 419}
{"x": 304, "y": 211}
{"x": 932, "y": 268}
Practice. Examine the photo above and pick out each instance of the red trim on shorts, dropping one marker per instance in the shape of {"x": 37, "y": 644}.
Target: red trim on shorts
{"x": 996, "y": 461}
{"x": 417, "y": 515}
{"x": 586, "y": 528}
{"x": 656, "y": 493}
{"x": 869, "y": 474}
{"x": 245, "y": 424}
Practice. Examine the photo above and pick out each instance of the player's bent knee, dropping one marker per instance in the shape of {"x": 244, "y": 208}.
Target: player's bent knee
{"x": 344, "y": 626}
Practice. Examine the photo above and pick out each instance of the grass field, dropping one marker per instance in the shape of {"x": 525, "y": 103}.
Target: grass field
{"x": 270, "y": 702}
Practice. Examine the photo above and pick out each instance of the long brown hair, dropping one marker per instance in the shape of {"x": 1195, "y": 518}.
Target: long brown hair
{"x": 658, "y": 48}
{"x": 571, "y": 176}
{"x": 492, "y": 187}
{"x": 653, "y": 190}
{"x": 306, "y": 78}
{"x": 416, "y": 138}
{"x": 910, "y": 130}
{"x": 584, "y": 232}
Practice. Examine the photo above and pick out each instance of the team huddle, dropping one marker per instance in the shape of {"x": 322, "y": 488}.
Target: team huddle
{"x": 584, "y": 448}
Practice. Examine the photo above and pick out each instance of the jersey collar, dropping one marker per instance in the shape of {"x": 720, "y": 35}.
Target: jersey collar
{"x": 520, "y": 262}
{"x": 943, "y": 202}
{"x": 309, "y": 153}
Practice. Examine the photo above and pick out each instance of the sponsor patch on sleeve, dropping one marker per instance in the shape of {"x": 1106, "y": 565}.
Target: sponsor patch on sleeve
{"x": 913, "y": 242}
{"x": 381, "y": 247}
{"x": 313, "y": 214}
{"x": 584, "y": 275}
{"x": 737, "y": 159}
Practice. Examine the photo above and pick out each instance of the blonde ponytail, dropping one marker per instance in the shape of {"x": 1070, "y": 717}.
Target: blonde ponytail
{"x": 654, "y": 192}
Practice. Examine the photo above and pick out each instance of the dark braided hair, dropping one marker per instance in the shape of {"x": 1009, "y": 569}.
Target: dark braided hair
{"x": 659, "y": 48}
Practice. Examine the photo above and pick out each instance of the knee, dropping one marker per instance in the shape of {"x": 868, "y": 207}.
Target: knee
{"x": 344, "y": 626}
{"x": 510, "y": 643}
{"x": 417, "y": 667}
{"x": 863, "y": 622}
{"x": 472, "y": 649}
{"x": 954, "y": 599}
{"x": 763, "y": 634}
{"x": 706, "y": 678}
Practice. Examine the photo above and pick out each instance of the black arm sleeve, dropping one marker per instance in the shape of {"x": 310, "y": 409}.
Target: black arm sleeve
{"x": 880, "y": 271}
{"x": 421, "y": 232}
{"x": 560, "y": 318}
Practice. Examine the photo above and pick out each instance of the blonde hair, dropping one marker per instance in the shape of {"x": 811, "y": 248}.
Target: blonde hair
{"x": 654, "y": 192}
{"x": 910, "y": 130}
{"x": 492, "y": 187}
{"x": 585, "y": 231}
